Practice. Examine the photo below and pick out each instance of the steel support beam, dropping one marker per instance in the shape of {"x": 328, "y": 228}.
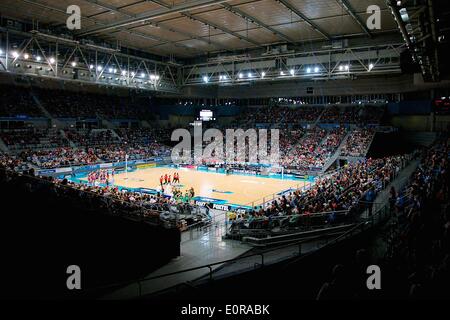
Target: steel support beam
{"x": 226, "y": 30}
{"x": 153, "y": 14}
{"x": 190, "y": 36}
{"x": 308, "y": 21}
{"x": 139, "y": 34}
{"x": 211, "y": 24}
{"x": 116, "y": 68}
{"x": 254, "y": 20}
{"x": 344, "y": 4}
{"x": 314, "y": 65}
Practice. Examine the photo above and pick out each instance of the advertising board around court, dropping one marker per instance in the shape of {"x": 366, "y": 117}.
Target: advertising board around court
{"x": 50, "y": 172}
{"x": 138, "y": 164}
{"x": 220, "y": 205}
{"x": 146, "y": 165}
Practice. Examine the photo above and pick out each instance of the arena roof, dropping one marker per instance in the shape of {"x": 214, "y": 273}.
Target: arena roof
{"x": 190, "y": 28}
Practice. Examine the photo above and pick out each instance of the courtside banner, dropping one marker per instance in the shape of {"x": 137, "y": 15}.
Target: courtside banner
{"x": 149, "y": 160}
{"x": 146, "y": 165}
{"x": 46, "y": 172}
{"x": 219, "y": 205}
{"x": 222, "y": 207}
{"x": 86, "y": 168}
{"x": 54, "y": 171}
{"x": 147, "y": 191}
{"x": 96, "y": 167}
{"x": 249, "y": 172}
{"x": 123, "y": 163}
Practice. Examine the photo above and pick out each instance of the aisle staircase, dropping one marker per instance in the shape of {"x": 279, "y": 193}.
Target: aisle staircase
{"x": 105, "y": 123}
{"x": 336, "y": 154}
{"x": 114, "y": 133}
{"x": 320, "y": 116}
{"x": 40, "y": 106}
{"x": 369, "y": 145}
{"x": 4, "y": 147}
{"x": 63, "y": 134}
{"x": 54, "y": 122}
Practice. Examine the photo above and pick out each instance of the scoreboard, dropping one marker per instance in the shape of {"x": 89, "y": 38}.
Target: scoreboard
{"x": 206, "y": 115}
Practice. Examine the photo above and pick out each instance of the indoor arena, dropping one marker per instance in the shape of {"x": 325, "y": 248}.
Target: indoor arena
{"x": 203, "y": 151}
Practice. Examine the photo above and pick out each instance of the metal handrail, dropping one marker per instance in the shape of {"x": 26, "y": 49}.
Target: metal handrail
{"x": 274, "y": 196}
{"x": 346, "y": 234}
{"x": 316, "y": 214}
{"x": 139, "y": 282}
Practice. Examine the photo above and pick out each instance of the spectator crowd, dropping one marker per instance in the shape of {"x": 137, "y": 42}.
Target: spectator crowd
{"x": 341, "y": 192}
{"x": 358, "y": 143}
{"x": 414, "y": 250}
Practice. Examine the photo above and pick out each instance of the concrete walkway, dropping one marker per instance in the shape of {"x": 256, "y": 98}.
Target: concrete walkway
{"x": 198, "y": 248}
